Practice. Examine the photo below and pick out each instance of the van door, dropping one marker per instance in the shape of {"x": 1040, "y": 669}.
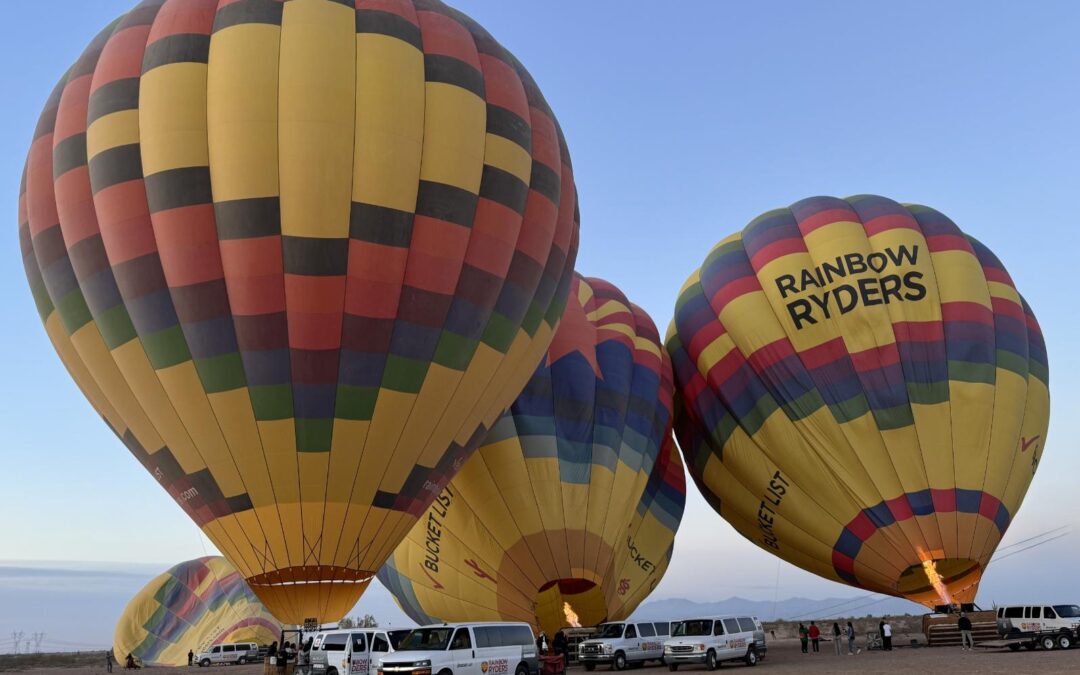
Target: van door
{"x": 378, "y": 647}
{"x": 650, "y": 647}
{"x": 462, "y": 653}
{"x": 631, "y": 644}
{"x": 358, "y": 654}
{"x": 736, "y": 642}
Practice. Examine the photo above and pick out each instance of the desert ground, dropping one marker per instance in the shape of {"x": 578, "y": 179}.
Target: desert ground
{"x": 783, "y": 657}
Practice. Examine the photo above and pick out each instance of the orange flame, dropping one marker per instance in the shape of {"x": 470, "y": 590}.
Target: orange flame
{"x": 930, "y": 567}
{"x": 571, "y": 615}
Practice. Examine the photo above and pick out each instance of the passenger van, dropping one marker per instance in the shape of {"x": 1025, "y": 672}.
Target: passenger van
{"x": 1048, "y": 626}
{"x": 352, "y": 651}
{"x": 465, "y": 649}
{"x": 716, "y": 639}
{"x": 232, "y": 652}
{"x": 622, "y": 644}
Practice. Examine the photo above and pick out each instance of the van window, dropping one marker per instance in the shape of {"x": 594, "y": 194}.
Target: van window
{"x": 216, "y": 650}
{"x": 425, "y": 639}
{"x": 746, "y": 624}
{"x": 610, "y": 630}
{"x": 396, "y": 636}
{"x": 318, "y": 641}
{"x": 1014, "y": 612}
{"x": 1067, "y": 611}
{"x": 662, "y": 628}
{"x": 487, "y": 636}
{"x": 731, "y": 625}
{"x": 519, "y": 635}
{"x": 692, "y": 628}
{"x": 358, "y": 642}
{"x": 461, "y": 639}
{"x": 1001, "y": 612}
{"x": 718, "y": 628}
{"x": 646, "y": 630}
{"x": 379, "y": 644}
{"x": 335, "y": 642}
{"x": 631, "y": 632}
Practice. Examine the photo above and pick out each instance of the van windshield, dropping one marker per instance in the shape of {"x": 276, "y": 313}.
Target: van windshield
{"x": 610, "y": 630}
{"x": 693, "y": 627}
{"x": 426, "y": 639}
{"x": 1067, "y": 611}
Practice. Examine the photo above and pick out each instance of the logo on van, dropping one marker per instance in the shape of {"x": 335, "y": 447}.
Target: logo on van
{"x": 494, "y": 667}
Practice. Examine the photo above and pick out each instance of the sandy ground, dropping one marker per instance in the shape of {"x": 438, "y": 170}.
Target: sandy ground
{"x": 784, "y": 657}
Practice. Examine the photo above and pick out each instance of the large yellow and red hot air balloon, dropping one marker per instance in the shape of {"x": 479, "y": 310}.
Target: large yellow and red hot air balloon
{"x": 192, "y": 606}
{"x": 863, "y": 393}
{"x": 572, "y": 502}
{"x": 300, "y": 256}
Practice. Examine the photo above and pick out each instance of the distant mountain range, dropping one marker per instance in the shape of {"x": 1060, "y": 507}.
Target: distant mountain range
{"x": 788, "y": 608}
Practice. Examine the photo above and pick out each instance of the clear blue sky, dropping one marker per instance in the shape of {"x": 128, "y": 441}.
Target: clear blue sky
{"x": 683, "y": 125}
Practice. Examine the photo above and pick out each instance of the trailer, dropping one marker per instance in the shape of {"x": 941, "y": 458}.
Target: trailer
{"x": 1031, "y": 642}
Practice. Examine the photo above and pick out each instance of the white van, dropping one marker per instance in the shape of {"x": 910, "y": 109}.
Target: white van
{"x": 622, "y": 644}
{"x": 232, "y": 652}
{"x": 1048, "y": 626}
{"x": 465, "y": 649}
{"x": 713, "y": 640}
{"x": 352, "y": 651}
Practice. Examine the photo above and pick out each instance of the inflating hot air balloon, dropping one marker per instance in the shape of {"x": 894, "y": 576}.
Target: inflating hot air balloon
{"x": 192, "y": 606}
{"x": 300, "y": 256}
{"x": 863, "y": 393}
{"x": 571, "y": 504}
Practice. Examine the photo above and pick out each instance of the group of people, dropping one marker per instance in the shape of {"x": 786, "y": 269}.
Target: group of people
{"x": 811, "y": 636}
{"x": 558, "y": 646}
{"x": 130, "y": 663}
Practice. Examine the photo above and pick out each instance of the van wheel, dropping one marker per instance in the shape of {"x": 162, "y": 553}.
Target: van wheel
{"x": 710, "y": 660}
{"x": 241, "y": 661}
{"x": 522, "y": 669}
{"x": 1048, "y": 642}
{"x": 205, "y": 663}
{"x": 1064, "y": 641}
{"x": 620, "y": 661}
{"x": 446, "y": 671}
{"x": 590, "y": 667}
{"x": 673, "y": 667}
{"x": 751, "y": 657}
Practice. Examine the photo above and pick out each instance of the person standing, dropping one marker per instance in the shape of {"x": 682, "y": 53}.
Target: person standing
{"x": 190, "y": 657}
{"x": 851, "y": 640}
{"x": 108, "y": 661}
{"x": 964, "y": 624}
{"x": 886, "y": 635}
{"x": 815, "y": 635}
{"x": 559, "y": 647}
{"x": 836, "y": 637}
{"x": 802, "y": 637}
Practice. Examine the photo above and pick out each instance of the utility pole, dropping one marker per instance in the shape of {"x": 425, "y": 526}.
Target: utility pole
{"x": 38, "y": 637}
{"x": 16, "y": 637}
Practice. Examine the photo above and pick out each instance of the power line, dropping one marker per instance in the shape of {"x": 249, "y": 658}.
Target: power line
{"x": 1028, "y": 548}
{"x": 1037, "y": 536}
{"x": 819, "y": 610}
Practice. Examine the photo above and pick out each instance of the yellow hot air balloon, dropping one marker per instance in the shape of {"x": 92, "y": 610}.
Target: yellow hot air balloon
{"x": 300, "y": 256}
{"x": 192, "y": 606}
{"x": 863, "y": 393}
{"x": 568, "y": 511}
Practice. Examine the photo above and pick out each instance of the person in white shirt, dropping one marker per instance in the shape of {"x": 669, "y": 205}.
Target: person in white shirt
{"x": 886, "y": 635}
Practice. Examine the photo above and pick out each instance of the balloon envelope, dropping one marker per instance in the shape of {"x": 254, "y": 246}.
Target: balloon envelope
{"x": 573, "y": 500}
{"x": 299, "y": 256}
{"x": 863, "y": 393}
{"x": 192, "y": 606}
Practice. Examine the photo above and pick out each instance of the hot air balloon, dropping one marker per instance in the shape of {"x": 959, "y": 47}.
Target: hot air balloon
{"x": 193, "y": 605}
{"x": 570, "y": 506}
{"x": 863, "y": 393}
{"x": 299, "y": 256}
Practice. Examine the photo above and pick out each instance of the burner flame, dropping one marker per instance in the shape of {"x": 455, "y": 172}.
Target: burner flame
{"x": 930, "y": 567}
{"x": 571, "y": 615}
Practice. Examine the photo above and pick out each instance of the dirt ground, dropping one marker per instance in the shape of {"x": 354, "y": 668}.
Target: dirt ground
{"x": 784, "y": 657}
